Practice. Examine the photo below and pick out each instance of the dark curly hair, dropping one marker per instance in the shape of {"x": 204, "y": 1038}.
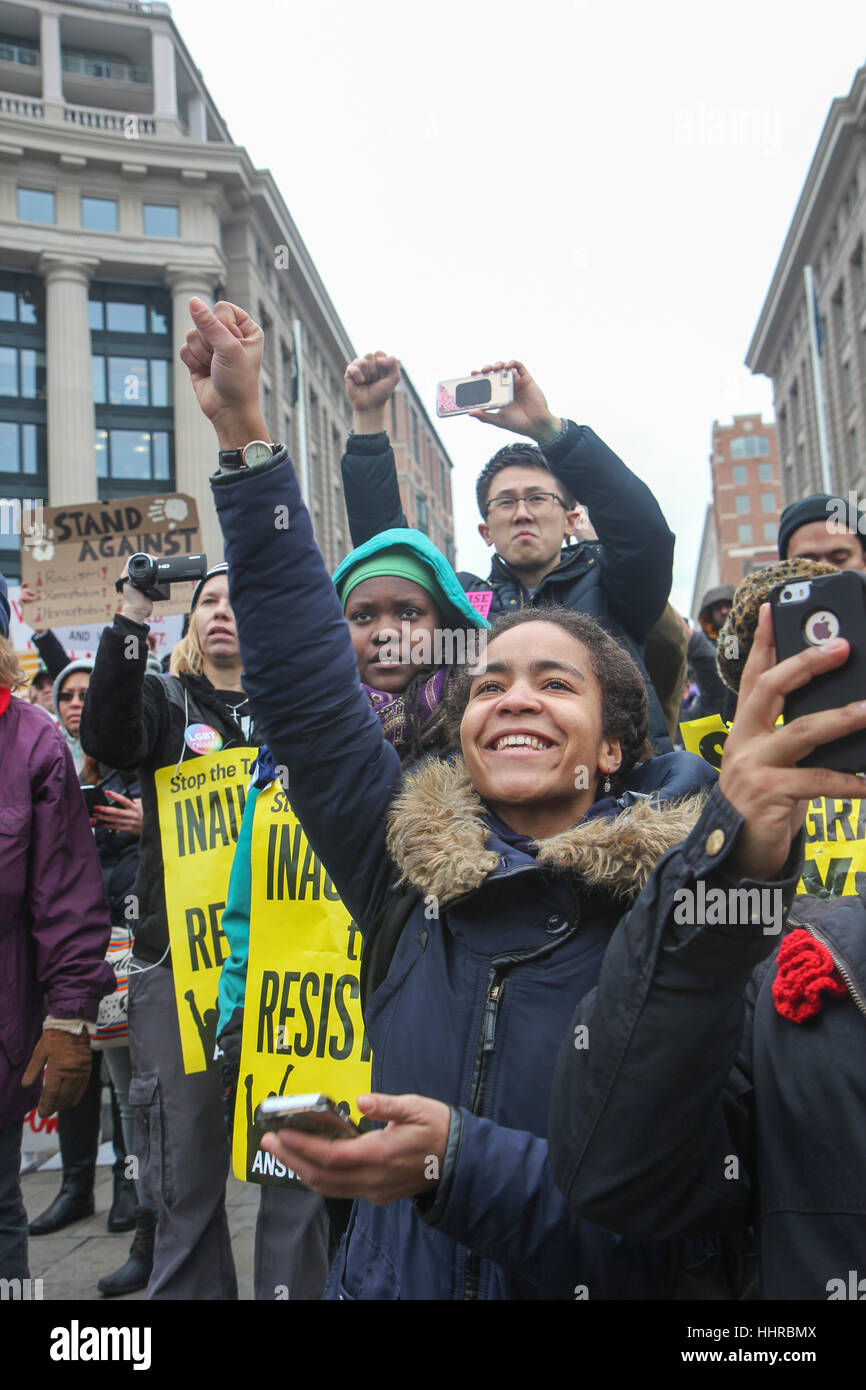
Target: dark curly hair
{"x": 624, "y": 709}
{"x": 516, "y": 456}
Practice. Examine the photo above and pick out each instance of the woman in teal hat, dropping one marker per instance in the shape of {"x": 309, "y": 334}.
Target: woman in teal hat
{"x": 405, "y": 606}
{"x": 411, "y": 626}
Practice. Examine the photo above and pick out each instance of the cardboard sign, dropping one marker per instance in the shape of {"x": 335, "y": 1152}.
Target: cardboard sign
{"x": 834, "y": 858}
{"x": 80, "y": 641}
{"x": 73, "y": 558}
{"x": 200, "y": 804}
{"x": 303, "y": 1029}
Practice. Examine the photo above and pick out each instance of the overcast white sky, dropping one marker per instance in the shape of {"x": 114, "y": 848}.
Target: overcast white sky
{"x": 599, "y": 189}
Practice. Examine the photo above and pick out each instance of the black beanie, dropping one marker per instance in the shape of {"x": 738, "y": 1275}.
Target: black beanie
{"x": 819, "y": 507}
{"x": 221, "y": 568}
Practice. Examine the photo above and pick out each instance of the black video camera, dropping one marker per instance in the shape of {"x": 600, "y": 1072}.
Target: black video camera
{"x": 153, "y": 577}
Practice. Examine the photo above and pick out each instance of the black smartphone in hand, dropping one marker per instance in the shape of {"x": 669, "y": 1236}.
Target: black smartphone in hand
{"x": 811, "y": 612}
{"x": 94, "y": 796}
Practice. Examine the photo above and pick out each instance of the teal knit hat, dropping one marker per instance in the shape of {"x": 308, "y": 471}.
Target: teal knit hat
{"x": 413, "y": 556}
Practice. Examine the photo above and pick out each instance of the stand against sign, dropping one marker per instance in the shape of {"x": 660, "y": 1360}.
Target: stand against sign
{"x": 72, "y": 560}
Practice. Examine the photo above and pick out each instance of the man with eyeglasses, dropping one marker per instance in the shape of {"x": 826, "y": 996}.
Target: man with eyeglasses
{"x": 527, "y": 495}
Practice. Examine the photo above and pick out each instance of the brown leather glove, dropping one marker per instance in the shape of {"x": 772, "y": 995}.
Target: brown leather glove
{"x": 67, "y": 1061}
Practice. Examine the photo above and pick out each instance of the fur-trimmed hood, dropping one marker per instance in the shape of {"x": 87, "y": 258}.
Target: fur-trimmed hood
{"x": 438, "y": 839}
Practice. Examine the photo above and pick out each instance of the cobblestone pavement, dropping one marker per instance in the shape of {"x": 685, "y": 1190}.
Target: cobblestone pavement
{"x": 70, "y": 1263}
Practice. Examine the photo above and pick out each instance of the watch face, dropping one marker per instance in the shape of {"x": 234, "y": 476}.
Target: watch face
{"x": 257, "y": 452}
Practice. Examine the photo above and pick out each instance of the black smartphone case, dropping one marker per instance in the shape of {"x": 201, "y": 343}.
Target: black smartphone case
{"x": 845, "y": 595}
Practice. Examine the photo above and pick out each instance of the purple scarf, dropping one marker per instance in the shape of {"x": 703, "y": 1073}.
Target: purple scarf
{"x": 394, "y": 713}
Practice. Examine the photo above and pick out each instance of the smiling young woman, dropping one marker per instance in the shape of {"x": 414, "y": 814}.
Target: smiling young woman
{"x": 558, "y": 710}
{"x": 513, "y": 873}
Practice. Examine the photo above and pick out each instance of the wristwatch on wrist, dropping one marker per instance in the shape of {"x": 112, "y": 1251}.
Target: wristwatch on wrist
{"x": 256, "y": 452}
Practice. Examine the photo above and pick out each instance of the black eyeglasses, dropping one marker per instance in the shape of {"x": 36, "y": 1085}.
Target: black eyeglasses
{"x": 538, "y": 503}
{"x": 67, "y": 696}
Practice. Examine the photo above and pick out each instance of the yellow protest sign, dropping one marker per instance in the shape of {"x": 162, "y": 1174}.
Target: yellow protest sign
{"x": 303, "y": 1029}
{"x": 835, "y": 848}
{"x": 200, "y": 805}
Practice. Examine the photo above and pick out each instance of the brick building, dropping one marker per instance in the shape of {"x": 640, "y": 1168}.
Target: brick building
{"x": 743, "y": 519}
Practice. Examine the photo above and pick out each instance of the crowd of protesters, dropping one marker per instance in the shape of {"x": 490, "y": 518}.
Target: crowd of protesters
{"x": 577, "y": 1090}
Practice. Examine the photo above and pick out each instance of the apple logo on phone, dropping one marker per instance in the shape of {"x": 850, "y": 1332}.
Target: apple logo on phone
{"x": 821, "y": 627}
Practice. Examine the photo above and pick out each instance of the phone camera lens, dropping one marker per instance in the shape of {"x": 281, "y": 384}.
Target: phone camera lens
{"x": 786, "y": 594}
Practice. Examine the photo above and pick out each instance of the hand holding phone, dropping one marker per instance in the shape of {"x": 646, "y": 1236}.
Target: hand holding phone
{"x": 404, "y": 1158}
{"x": 761, "y": 775}
{"x": 93, "y": 796}
{"x": 306, "y": 1114}
{"x": 809, "y": 613}
{"x": 528, "y": 412}
{"x": 463, "y": 394}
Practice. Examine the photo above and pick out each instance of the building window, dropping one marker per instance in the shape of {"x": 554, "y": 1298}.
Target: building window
{"x": 795, "y": 408}
{"x": 35, "y": 205}
{"x": 848, "y": 390}
{"x": 858, "y": 275}
{"x": 132, "y": 388}
{"x": 750, "y": 446}
{"x": 415, "y": 436}
{"x": 768, "y": 501}
{"x": 852, "y": 449}
{"x": 421, "y": 508}
{"x": 20, "y": 450}
{"x": 744, "y": 534}
{"x": 743, "y": 502}
{"x": 99, "y": 214}
{"x": 139, "y": 455}
{"x": 765, "y": 472}
{"x": 443, "y": 482}
{"x": 125, "y": 318}
{"x": 131, "y": 381}
{"x": 770, "y": 531}
{"x": 22, "y": 372}
{"x": 13, "y": 52}
{"x": 740, "y": 473}
{"x": 23, "y": 458}
{"x": 102, "y": 65}
{"x": 840, "y": 313}
{"x": 161, "y": 219}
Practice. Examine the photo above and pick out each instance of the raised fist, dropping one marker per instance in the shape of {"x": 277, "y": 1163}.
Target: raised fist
{"x": 370, "y": 383}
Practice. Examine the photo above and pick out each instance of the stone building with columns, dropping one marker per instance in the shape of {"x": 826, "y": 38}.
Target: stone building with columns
{"x": 121, "y": 196}
{"x": 827, "y": 234}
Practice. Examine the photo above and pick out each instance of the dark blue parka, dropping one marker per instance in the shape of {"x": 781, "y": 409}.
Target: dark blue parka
{"x": 491, "y": 960}
{"x": 700, "y": 1107}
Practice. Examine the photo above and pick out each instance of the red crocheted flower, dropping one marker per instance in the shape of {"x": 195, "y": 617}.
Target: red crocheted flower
{"x": 805, "y": 972}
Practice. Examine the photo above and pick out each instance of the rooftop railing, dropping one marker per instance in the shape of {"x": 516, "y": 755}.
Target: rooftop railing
{"x": 83, "y": 66}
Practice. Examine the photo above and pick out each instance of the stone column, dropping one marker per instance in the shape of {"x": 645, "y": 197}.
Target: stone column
{"x": 49, "y": 45}
{"x": 197, "y": 118}
{"x": 195, "y": 444}
{"x": 70, "y": 413}
{"x": 164, "y": 79}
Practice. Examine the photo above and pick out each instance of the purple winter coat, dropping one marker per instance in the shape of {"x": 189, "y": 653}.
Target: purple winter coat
{"x": 54, "y": 922}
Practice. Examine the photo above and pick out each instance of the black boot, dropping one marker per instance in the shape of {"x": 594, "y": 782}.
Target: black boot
{"x": 136, "y": 1272}
{"x": 73, "y": 1202}
{"x": 121, "y": 1217}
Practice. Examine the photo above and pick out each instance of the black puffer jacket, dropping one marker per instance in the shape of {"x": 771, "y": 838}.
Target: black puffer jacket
{"x": 622, "y": 580}
{"x": 698, "y": 1106}
{"x": 129, "y": 721}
